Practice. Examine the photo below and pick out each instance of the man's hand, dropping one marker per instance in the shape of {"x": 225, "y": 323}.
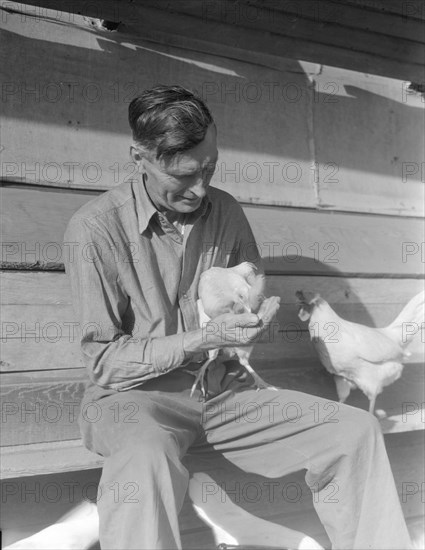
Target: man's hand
{"x": 242, "y": 329}
{"x": 231, "y": 329}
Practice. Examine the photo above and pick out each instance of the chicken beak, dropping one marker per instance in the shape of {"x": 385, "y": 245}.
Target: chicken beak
{"x": 303, "y": 314}
{"x": 304, "y": 307}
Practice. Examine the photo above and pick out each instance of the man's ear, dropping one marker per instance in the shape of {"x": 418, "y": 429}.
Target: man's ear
{"x": 140, "y": 157}
{"x": 135, "y": 155}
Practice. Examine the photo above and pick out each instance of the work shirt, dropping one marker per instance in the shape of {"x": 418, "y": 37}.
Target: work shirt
{"x": 134, "y": 279}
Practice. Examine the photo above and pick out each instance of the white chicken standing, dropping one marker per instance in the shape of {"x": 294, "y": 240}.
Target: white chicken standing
{"x": 359, "y": 356}
{"x": 238, "y": 289}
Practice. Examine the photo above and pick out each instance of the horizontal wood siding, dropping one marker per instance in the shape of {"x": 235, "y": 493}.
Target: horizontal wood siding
{"x": 292, "y": 132}
{"x": 291, "y": 241}
{"x": 373, "y": 302}
{"x": 291, "y": 23}
{"x": 40, "y": 332}
{"x": 43, "y": 406}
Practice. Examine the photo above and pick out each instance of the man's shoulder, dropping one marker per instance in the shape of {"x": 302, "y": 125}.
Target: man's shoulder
{"x": 106, "y": 204}
{"x": 223, "y": 200}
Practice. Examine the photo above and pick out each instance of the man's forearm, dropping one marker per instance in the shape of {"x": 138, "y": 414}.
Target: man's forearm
{"x": 194, "y": 342}
{"x": 129, "y": 361}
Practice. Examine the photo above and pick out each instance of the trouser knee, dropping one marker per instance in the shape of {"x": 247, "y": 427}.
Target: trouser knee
{"x": 359, "y": 429}
{"x": 149, "y": 449}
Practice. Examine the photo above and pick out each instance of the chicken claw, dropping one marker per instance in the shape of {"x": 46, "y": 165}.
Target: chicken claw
{"x": 199, "y": 378}
{"x": 259, "y": 383}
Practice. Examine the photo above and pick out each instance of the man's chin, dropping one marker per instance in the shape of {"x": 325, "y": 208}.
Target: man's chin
{"x": 186, "y": 205}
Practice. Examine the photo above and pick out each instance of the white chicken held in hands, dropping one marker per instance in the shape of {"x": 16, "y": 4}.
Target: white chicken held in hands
{"x": 235, "y": 290}
{"x": 359, "y": 356}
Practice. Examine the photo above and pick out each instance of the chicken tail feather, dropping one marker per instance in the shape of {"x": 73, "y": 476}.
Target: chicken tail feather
{"x": 409, "y": 320}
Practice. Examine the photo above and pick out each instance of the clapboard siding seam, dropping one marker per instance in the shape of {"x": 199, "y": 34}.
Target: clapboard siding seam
{"x": 60, "y": 268}
{"x": 70, "y": 370}
{"x": 56, "y": 404}
{"x": 393, "y": 21}
{"x": 344, "y": 244}
{"x": 324, "y": 209}
{"x": 296, "y": 33}
{"x": 386, "y": 7}
{"x": 17, "y": 183}
{"x": 300, "y": 34}
{"x": 35, "y": 289}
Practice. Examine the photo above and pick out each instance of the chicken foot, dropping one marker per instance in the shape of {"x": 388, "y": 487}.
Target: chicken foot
{"x": 259, "y": 383}
{"x": 199, "y": 378}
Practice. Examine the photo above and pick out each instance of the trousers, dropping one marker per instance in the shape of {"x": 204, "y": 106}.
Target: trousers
{"x": 147, "y": 434}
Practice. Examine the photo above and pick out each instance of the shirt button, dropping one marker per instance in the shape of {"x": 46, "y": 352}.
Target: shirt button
{"x": 184, "y": 295}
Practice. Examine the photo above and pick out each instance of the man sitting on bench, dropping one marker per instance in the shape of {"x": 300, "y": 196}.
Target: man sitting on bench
{"x": 142, "y": 248}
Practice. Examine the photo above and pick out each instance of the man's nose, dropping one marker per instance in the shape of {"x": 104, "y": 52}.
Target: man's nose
{"x": 199, "y": 188}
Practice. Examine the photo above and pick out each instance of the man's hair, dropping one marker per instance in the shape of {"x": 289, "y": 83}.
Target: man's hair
{"x": 167, "y": 120}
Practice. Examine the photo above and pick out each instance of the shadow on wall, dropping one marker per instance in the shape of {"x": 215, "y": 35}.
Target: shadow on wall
{"x": 312, "y": 275}
{"x": 82, "y": 81}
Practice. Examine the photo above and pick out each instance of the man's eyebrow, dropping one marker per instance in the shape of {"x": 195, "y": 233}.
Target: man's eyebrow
{"x": 187, "y": 171}
{"x": 207, "y": 165}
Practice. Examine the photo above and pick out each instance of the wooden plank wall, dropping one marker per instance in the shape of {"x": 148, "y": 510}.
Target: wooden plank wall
{"x": 79, "y": 78}
{"x": 382, "y": 37}
{"x": 316, "y": 162}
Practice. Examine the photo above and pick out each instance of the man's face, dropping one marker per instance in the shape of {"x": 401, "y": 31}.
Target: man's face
{"x": 179, "y": 184}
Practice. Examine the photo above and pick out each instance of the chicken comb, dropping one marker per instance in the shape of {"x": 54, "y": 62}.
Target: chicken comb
{"x": 300, "y": 295}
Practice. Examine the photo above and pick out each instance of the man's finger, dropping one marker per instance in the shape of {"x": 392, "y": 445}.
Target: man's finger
{"x": 247, "y": 320}
{"x": 270, "y": 308}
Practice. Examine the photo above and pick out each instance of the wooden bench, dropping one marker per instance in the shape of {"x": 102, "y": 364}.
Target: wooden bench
{"x": 43, "y": 379}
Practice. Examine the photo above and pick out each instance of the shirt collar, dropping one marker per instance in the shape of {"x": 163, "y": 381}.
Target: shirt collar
{"x": 146, "y": 210}
{"x": 144, "y": 206}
